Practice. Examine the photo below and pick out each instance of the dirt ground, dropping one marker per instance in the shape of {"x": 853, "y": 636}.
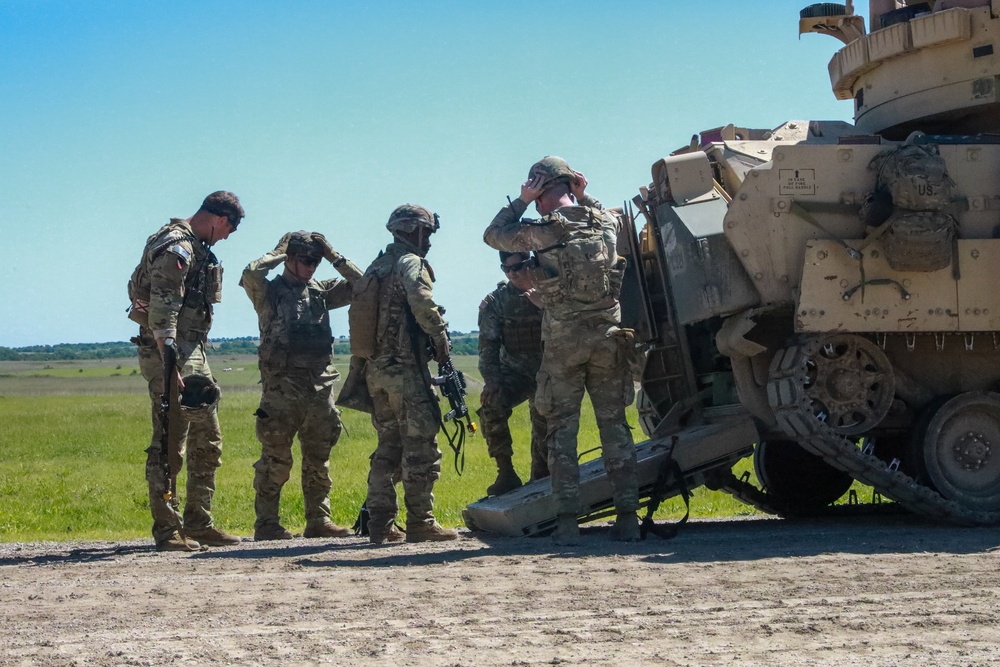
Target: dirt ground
{"x": 871, "y": 591}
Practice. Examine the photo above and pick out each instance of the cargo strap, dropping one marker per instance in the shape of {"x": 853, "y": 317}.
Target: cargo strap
{"x": 669, "y": 472}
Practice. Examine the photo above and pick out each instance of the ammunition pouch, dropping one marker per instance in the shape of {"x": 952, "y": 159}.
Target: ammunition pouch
{"x": 920, "y": 241}
{"x": 213, "y": 282}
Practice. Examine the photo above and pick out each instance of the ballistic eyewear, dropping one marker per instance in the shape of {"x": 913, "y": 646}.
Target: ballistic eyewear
{"x": 514, "y": 268}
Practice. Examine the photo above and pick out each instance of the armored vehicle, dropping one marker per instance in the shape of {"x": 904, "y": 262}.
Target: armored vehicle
{"x": 833, "y": 284}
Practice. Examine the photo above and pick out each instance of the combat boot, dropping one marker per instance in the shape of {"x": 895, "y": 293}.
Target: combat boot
{"x": 386, "y": 536}
{"x": 326, "y": 528}
{"x": 626, "y": 528}
{"x": 177, "y": 543}
{"x": 430, "y": 532}
{"x": 271, "y": 531}
{"x": 567, "y": 531}
{"x": 507, "y": 479}
{"x": 214, "y": 537}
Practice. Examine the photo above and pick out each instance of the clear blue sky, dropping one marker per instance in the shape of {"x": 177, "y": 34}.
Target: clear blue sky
{"x": 115, "y": 116}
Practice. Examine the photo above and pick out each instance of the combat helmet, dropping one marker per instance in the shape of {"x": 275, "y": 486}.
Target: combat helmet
{"x": 552, "y": 170}
{"x": 408, "y": 217}
{"x": 199, "y": 397}
{"x": 302, "y": 243}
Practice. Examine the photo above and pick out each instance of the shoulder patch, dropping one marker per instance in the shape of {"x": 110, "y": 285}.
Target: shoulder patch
{"x": 180, "y": 251}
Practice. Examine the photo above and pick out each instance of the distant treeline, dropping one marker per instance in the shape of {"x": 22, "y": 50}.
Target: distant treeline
{"x": 461, "y": 344}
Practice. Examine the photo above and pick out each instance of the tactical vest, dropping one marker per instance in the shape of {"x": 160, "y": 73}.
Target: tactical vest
{"x": 299, "y": 334}
{"x": 202, "y": 284}
{"x": 521, "y": 327}
{"x": 575, "y": 275}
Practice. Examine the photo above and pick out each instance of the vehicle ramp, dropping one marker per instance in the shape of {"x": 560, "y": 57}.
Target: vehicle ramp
{"x": 698, "y": 451}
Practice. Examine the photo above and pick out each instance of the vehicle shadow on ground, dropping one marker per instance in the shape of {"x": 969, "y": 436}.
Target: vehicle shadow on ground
{"x": 701, "y": 541}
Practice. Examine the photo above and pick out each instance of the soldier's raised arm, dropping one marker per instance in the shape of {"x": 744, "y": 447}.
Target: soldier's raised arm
{"x": 253, "y": 279}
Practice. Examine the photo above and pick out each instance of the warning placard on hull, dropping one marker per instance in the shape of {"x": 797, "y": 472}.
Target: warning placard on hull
{"x": 797, "y": 181}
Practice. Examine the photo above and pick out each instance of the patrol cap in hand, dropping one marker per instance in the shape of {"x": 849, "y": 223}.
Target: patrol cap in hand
{"x": 552, "y": 170}
{"x": 302, "y": 244}
{"x": 409, "y": 217}
{"x": 223, "y": 202}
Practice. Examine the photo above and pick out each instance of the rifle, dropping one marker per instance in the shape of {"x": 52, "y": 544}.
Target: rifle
{"x": 169, "y": 375}
{"x": 451, "y": 382}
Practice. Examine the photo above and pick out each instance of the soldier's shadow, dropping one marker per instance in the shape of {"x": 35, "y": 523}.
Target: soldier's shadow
{"x": 82, "y": 555}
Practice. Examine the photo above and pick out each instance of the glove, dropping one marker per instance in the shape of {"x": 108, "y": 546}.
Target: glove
{"x": 282, "y": 247}
{"x": 329, "y": 253}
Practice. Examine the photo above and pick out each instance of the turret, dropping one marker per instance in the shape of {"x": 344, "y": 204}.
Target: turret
{"x": 928, "y": 66}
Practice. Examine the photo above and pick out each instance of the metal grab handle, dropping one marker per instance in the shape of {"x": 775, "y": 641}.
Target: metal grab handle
{"x": 877, "y": 281}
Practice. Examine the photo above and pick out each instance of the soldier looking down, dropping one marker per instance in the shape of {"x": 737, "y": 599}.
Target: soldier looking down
{"x": 403, "y": 325}
{"x": 576, "y": 278}
{"x": 510, "y": 353}
{"x": 297, "y": 374}
{"x": 173, "y": 290}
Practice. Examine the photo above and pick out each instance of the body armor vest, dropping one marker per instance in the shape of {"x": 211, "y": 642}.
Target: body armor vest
{"x": 522, "y": 327}
{"x": 299, "y": 335}
{"x": 202, "y": 284}
{"x": 576, "y": 274}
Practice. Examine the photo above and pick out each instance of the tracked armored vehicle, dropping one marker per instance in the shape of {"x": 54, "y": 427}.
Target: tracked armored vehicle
{"x": 834, "y": 285}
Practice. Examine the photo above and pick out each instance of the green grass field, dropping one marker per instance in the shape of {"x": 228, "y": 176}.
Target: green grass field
{"x": 72, "y": 436}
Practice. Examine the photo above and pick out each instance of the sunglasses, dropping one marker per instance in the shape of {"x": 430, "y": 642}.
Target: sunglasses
{"x": 233, "y": 220}
{"x": 514, "y": 268}
{"x": 308, "y": 261}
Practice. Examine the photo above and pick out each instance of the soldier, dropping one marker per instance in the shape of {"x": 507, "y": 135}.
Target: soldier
{"x": 172, "y": 290}
{"x": 297, "y": 373}
{"x": 510, "y": 353}
{"x": 405, "y": 322}
{"x": 577, "y": 278}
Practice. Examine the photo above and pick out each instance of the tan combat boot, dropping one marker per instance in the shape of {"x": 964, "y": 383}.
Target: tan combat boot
{"x": 177, "y": 543}
{"x": 326, "y": 528}
{"x": 507, "y": 479}
{"x": 271, "y": 531}
{"x": 567, "y": 531}
{"x": 430, "y": 532}
{"x": 387, "y": 536}
{"x": 214, "y": 537}
{"x": 626, "y": 528}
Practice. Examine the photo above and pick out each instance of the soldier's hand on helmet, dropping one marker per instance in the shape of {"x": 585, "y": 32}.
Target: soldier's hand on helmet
{"x": 329, "y": 253}
{"x": 282, "y": 247}
{"x": 442, "y": 349}
{"x": 578, "y": 185}
{"x": 531, "y": 189}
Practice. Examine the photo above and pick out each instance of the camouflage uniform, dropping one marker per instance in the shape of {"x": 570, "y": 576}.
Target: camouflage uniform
{"x": 406, "y": 413}
{"x": 297, "y": 374}
{"x": 510, "y": 353}
{"x": 185, "y": 279}
{"x": 584, "y": 346}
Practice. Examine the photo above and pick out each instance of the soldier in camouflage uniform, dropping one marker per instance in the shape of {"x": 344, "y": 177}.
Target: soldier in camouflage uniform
{"x": 510, "y": 353}
{"x": 172, "y": 291}
{"x": 406, "y": 414}
{"x": 297, "y": 374}
{"x": 577, "y": 279}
